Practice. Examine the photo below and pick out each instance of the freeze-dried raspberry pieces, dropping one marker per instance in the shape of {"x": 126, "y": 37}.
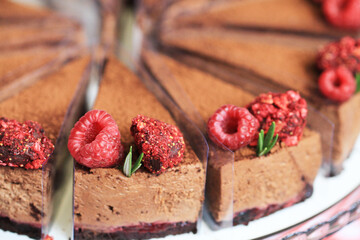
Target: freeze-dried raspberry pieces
{"x": 342, "y": 13}
{"x": 288, "y": 111}
{"x": 233, "y": 127}
{"x": 23, "y": 144}
{"x": 345, "y": 52}
{"x": 95, "y": 140}
{"x": 162, "y": 143}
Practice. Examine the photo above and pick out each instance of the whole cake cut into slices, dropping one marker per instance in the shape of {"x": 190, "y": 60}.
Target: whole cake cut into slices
{"x": 34, "y": 124}
{"x": 318, "y": 18}
{"x": 278, "y": 61}
{"x": 163, "y": 198}
{"x": 253, "y": 185}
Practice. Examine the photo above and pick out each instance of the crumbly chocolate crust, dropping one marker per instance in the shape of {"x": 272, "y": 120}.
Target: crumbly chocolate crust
{"x": 143, "y": 231}
{"x": 20, "y": 228}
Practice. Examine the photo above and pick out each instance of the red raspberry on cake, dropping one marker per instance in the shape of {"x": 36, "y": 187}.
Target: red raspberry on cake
{"x": 23, "y": 144}
{"x": 337, "y": 84}
{"x": 343, "y": 13}
{"x": 162, "y": 143}
{"x": 344, "y": 52}
{"x": 95, "y": 140}
{"x": 233, "y": 127}
{"x": 288, "y": 111}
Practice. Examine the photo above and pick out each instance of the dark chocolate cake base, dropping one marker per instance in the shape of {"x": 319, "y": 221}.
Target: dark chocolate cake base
{"x": 24, "y": 229}
{"x": 144, "y": 231}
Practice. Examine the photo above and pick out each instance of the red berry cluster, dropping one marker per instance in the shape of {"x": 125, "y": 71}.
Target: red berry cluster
{"x": 234, "y": 127}
{"x": 23, "y": 144}
{"x": 162, "y": 143}
{"x": 288, "y": 111}
{"x": 339, "y": 62}
{"x": 95, "y": 142}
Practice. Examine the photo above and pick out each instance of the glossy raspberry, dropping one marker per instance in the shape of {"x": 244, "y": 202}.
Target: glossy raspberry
{"x": 233, "y": 127}
{"x": 343, "y": 14}
{"x": 337, "y": 84}
{"x": 95, "y": 140}
{"x": 162, "y": 143}
{"x": 23, "y": 144}
{"x": 288, "y": 111}
{"x": 344, "y": 52}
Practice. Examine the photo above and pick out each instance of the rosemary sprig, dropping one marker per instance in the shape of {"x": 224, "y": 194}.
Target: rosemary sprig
{"x": 357, "y": 78}
{"x": 265, "y": 144}
{"x": 128, "y": 169}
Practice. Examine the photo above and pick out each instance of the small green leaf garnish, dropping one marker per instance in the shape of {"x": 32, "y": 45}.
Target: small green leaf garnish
{"x": 357, "y": 78}
{"x": 128, "y": 169}
{"x": 265, "y": 144}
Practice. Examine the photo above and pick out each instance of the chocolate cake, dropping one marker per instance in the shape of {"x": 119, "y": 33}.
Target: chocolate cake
{"x": 110, "y": 205}
{"x": 53, "y": 102}
{"x": 279, "y": 61}
{"x": 291, "y": 16}
{"x": 22, "y": 26}
{"x": 249, "y": 186}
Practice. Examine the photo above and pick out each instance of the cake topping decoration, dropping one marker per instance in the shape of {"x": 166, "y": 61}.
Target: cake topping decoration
{"x": 95, "y": 140}
{"x": 23, "y": 144}
{"x": 265, "y": 144}
{"x": 162, "y": 143}
{"x": 337, "y": 84}
{"x": 233, "y": 127}
{"x": 343, "y": 14}
{"x": 340, "y": 62}
{"x": 128, "y": 168}
{"x": 288, "y": 111}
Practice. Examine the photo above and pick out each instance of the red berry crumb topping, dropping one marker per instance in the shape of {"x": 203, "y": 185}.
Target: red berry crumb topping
{"x": 23, "y": 144}
{"x": 288, "y": 111}
{"x": 337, "y": 84}
{"x": 343, "y": 13}
{"x": 162, "y": 143}
{"x": 233, "y": 127}
{"x": 344, "y": 52}
{"x": 95, "y": 140}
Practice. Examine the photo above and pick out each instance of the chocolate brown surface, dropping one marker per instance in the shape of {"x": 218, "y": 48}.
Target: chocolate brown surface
{"x": 294, "y": 16}
{"x": 45, "y": 102}
{"x": 105, "y": 199}
{"x": 258, "y": 181}
{"x": 287, "y": 61}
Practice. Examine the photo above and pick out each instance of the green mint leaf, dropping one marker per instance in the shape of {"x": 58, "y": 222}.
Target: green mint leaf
{"x": 137, "y": 163}
{"x": 263, "y": 152}
{"x": 272, "y": 144}
{"x": 269, "y": 134}
{"x": 357, "y": 78}
{"x": 128, "y": 163}
{"x": 260, "y": 142}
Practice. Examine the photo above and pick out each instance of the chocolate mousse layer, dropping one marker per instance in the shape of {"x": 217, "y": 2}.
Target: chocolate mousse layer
{"x": 250, "y": 183}
{"x": 48, "y": 103}
{"x": 107, "y": 203}
{"x": 290, "y": 16}
{"x": 285, "y": 61}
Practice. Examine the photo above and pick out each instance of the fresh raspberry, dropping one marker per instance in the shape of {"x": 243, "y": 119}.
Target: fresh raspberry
{"x": 233, "y": 127}
{"x": 344, "y": 52}
{"x": 95, "y": 140}
{"x": 162, "y": 143}
{"x": 23, "y": 144}
{"x": 337, "y": 84}
{"x": 342, "y": 13}
{"x": 288, "y": 111}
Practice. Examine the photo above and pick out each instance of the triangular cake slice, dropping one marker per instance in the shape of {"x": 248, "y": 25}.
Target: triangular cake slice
{"x": 53, "y": 102}
{"x": 283, "y": 61}
{"x": 292, "y": 16}
{"x": 261, "y": 185}
{"x": 110, "y": 205}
